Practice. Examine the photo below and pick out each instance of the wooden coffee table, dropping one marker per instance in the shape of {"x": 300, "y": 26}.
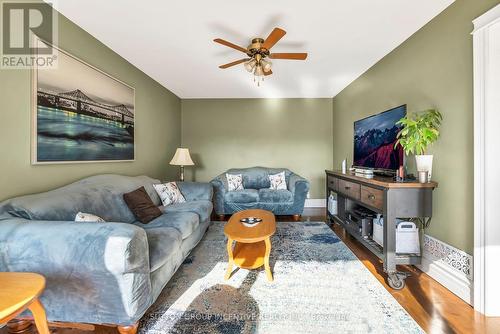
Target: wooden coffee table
{"x": 252, "y": 244}
{"x": 20, "y": 291}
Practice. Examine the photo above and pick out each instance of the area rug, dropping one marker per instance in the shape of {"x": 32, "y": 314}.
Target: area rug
{"x": 319, "y": 287}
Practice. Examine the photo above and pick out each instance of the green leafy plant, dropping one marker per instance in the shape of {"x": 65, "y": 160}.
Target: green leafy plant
{"x": 419, "y": 131}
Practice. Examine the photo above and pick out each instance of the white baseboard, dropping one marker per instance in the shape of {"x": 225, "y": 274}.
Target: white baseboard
{"x": 315, "y": 203}
{"x": 449, "y": 266}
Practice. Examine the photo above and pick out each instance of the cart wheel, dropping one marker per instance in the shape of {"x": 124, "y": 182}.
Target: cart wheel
{"x": 396, "y": 281}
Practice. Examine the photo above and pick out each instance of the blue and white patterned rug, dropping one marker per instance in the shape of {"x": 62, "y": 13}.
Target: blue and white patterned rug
{"x": 319, "y": 287}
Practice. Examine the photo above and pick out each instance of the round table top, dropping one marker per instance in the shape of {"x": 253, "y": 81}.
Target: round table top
{"x": 235, "y": 229}
{"x": 18, "y": 290}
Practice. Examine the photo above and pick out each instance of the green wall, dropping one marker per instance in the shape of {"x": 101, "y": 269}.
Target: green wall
{"x": 158, "y": 116}
{"x": 290, "y": 133}
{"x": 433, "y": 68}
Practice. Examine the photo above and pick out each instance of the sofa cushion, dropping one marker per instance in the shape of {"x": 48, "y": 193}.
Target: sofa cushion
{"x": 101, "y": 195}
{"x": 196, "y": 191}
{"x": 163, "y": 243}
{"x": 82, "y": 217}
{"x": 184, "y": 222}
{"x": 141, "y": 205}
{"x": 242, "y": 196}
{"x": 257, "y": 177}
{"x": 275, "y": 196}
{"x": 202, "y": 208}
{"x": 234, "y": 182}
{"x": 278, "y": 181}
{"x": 169, "y": 193}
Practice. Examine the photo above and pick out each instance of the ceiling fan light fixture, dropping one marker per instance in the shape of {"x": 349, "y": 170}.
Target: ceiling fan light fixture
{"x": 266, "y": 65}
{"x": 250, "y": 65}
{"x": 258, "y": 55}
{"x": 258, "y": 71}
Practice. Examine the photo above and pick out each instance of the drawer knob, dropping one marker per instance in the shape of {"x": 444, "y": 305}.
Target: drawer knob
{"x": 371, "y": 197}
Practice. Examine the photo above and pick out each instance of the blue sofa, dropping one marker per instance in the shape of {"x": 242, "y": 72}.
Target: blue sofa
{"x": 257, "y": 194}
{"x": 101, "y": 273}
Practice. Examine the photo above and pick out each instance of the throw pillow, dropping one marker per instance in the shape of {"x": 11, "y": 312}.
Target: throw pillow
{"x": 141, "y": 205}
{"x": 278, "y": 181}
{"x": 82, "y": 217}
{"x": 234, "y": 182}
{"x": 169, "y": 193}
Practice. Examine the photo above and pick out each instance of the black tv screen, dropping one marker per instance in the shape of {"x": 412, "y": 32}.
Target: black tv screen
{"x": 374, "y": 140}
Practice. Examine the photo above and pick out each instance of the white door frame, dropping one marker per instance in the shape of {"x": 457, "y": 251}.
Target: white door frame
{"x": 486, "y": 36}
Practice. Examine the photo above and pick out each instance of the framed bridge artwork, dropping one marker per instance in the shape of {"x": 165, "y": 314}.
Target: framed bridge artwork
{"x": 81, "y": 114}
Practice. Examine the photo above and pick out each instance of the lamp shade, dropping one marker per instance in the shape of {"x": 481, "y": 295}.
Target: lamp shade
{"x": 182, "y": 158}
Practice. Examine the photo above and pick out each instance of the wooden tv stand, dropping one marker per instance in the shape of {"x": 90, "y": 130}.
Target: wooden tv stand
{"x": 391, "y": 199}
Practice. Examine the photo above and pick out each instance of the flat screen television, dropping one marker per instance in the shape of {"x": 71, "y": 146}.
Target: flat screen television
{"x": 374, "y": 140}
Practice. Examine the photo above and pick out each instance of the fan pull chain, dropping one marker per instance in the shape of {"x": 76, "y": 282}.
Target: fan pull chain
{"x": 258, "y": 79}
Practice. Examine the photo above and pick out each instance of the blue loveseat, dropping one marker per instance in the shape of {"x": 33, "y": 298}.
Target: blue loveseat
{"x": 101, "y": 273}
{"x": 257, "y": 194}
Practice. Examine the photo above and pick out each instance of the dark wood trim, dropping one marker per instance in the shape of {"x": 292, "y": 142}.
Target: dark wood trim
{"x": 19, "y": 326}
{"x": 380, "y": 181}
{"x": 73, "y": 325}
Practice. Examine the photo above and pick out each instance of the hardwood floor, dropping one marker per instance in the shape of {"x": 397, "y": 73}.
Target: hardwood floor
{"x": 435, "y": 309}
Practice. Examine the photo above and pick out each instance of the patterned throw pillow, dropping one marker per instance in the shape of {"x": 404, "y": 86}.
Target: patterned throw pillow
{"x": 234, "y": 182}
{"x": 169, "y": 193}
{"x": 278, "y": 181}
{"x": 82, "y": 217}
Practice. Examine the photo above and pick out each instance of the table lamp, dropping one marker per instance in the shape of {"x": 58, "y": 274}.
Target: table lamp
{"x": 182, "y": 158}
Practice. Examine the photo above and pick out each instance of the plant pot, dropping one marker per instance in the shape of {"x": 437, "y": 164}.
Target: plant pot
{"x": 424, "y": 164}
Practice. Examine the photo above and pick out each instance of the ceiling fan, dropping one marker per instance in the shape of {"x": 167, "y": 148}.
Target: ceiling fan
{"x": 257, "y": 53}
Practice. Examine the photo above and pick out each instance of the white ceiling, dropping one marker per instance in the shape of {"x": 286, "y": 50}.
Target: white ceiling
{"x": 172, "y": 41}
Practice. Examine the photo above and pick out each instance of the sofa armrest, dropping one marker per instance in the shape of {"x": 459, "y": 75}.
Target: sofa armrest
{"x": 219, "y": 192}
{"x": 298, "y": 185}
{"x": 100, "y": 270}
{"x": 196, "y": 191}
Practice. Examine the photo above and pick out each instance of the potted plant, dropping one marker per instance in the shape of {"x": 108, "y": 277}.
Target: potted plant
{"x": 419, "y": 130}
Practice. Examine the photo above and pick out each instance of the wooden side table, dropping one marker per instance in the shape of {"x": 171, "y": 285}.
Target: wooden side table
{"x": 252, "y": 244}
{"x": 20, "y": 291}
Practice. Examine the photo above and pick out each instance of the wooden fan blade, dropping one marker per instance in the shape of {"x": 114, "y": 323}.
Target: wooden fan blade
{"x": 268, "y": 73}
{"x": 273, "y": 38}
{"x": 231, "y": 45}
{"x": 234, "y": 63}
{"x": 293, "y": 56}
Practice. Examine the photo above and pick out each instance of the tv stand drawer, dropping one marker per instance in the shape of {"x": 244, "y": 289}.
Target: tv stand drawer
{"x": 333, "y": 183}
{"x": 349, "y": 189}
{"x": 373, "y": 197}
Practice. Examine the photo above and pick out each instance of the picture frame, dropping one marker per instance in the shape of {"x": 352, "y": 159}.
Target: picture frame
{"x": 80, "y": 114}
